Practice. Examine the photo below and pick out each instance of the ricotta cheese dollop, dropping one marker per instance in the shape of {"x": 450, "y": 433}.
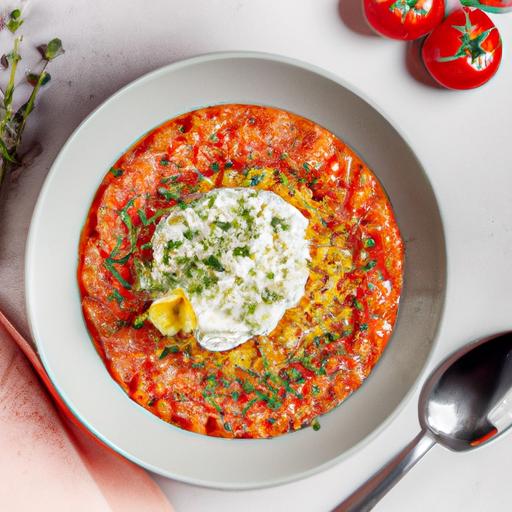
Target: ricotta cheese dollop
{"x": 241, "y": 256}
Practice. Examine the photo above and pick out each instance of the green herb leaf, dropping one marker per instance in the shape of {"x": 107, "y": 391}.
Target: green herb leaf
{"x": 370, "y": 265}
{"x": 164, "y": 161}
{"x": 241, "y": 251}
{"x": 109, "y": 265}
{"x": 214, "y": 167}
{"x": 168, "y": 195}
{"x": 269, "y": 296}
{"x": 315, "y": 425}
{"x": 278, "y": 222}
{"x": 369, "y": 243}
{"x": 5, "y": 153}
{"x": 189, "y": 234}
{"x": 53, "y": 49}
{"x": 357, "y": 304}
{"x": 115, "y": 295}
{"x": 15, "y": 21}
{"x": 138, "y": 323}
{"x": 116, "y": 172}
{"x": 173, "y": 349}
{"x": 223, "y": 225}
{"x": 250, "y": 403}
{"x": 256, "y": 179}
{"x": 214, "y": 263}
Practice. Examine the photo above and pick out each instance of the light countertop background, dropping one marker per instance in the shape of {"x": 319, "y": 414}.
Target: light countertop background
{"x": 464, "y": 140}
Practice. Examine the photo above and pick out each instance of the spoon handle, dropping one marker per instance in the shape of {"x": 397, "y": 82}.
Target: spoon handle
{"x": 369, "y": 493}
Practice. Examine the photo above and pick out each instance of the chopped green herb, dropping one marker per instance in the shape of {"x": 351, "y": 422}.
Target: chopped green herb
{"x": 270, "y": 275}
{"x": 151, "y": 402}
{"x": 168, "y": 350}
{"x": 174, "y": 244}
{"x": 211, "y": 201}
{"x": 227, "y": 427}
{"x": 181, "y": 128}
{"x": 223, "y": 225}
{"x": 370, "y": 265}
{"x": 241, "y": 251}
{"x": 269, "y": 296}
{"x": 306, "y": 166}
{"x": 115, "y": 295}
{"x": 283, "y": 178}
{"x": 139, "y": 321}
{"x": 189, "y": 234}
{"x": 295, "y": 375}
{"x": 116, "y": 171}
{"x": 213, "y": 137}
{"x": 235, "y": 395}
{"x": 168, "y": 195}
{"x": 315, "y": 425}
{"x": 256, "y": 179}
{"x": 214, "y": 167}
{"x": 214, "y": 263}
{"x": 198, "y": 365}
{"x": 209, "y": 281}
{"x": 109, "y": 265}
{"x": 283, "y": 156}
{"x": 278, "y": 222}
{"x": 147, "y": 245}
{"x": 164, "y": 161}
{"x": 146, "y": 222}
{"x": 250, "y": 403}
{"x": 357, "y": 304}
{"x": 363, "y": 327}
{"x": 15, "y": 21}
{"x": 251, "y": 309}
{"x": 214, "y": 404}
{"x": 228, "y": 165}
{"x": 369, "y": 243}
{"x": 315, "y": 389}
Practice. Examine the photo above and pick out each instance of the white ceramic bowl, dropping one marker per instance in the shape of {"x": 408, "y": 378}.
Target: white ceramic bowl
{"x": 51, "y": 260}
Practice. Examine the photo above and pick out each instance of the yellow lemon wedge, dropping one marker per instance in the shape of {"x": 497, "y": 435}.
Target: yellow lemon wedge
{"x": 173, "y": 313}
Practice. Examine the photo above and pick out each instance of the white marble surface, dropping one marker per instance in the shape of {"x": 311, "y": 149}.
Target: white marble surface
{"x": 463, "y": 140}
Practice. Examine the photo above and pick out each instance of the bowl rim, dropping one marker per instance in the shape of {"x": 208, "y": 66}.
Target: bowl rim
{"x": 30, "y": 250}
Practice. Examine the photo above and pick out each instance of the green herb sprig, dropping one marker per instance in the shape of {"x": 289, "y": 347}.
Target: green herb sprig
{"x": 13, "y": 122}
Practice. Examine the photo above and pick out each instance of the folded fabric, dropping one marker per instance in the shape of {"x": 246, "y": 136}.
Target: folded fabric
{"x": 50, "y": 461}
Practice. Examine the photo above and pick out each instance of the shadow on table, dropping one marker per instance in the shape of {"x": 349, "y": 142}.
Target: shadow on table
{"x": 352, "y": 15}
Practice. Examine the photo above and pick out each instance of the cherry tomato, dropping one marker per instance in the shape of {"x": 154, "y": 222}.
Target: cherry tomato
{"x": 498, "y": 6}
{"x": 404, "y": 19}
{"x": 464, "y": 51}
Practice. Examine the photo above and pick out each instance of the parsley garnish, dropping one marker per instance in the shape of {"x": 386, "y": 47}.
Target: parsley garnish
{"x": 223, "y": 225}
{"x": 116, "y": 171}
{"x": 168, "y": 350}
{"x": 214, "y": 263}
{"x": 241, "y": 251}
{"x": 278, "y": 222}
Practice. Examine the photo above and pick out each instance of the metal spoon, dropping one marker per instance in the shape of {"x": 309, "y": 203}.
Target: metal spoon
{"x": 466, "y": 402}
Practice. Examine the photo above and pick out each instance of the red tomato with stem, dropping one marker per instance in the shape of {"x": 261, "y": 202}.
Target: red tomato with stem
{"x": 497, "y": 6}
{"x": 404, "y": 19}
{"x": 463, "y": 52}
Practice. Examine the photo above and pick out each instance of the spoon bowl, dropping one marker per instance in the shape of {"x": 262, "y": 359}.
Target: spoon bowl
{"x": 465, "y": 403}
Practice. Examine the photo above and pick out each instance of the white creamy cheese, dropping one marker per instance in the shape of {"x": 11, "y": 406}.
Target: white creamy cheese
{"x": 241, "y": 255}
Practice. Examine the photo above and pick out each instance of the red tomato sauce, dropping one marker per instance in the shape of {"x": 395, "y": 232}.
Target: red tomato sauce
{"x": 321, "y": 350}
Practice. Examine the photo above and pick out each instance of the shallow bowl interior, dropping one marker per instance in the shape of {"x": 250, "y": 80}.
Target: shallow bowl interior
{"x": 52, "y": 293}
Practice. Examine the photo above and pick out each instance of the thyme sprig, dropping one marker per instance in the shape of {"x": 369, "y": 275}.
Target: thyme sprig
{"x": 13, "y": 121}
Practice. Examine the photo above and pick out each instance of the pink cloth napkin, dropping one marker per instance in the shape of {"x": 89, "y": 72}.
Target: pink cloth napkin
{"x": 48, "y": 460}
